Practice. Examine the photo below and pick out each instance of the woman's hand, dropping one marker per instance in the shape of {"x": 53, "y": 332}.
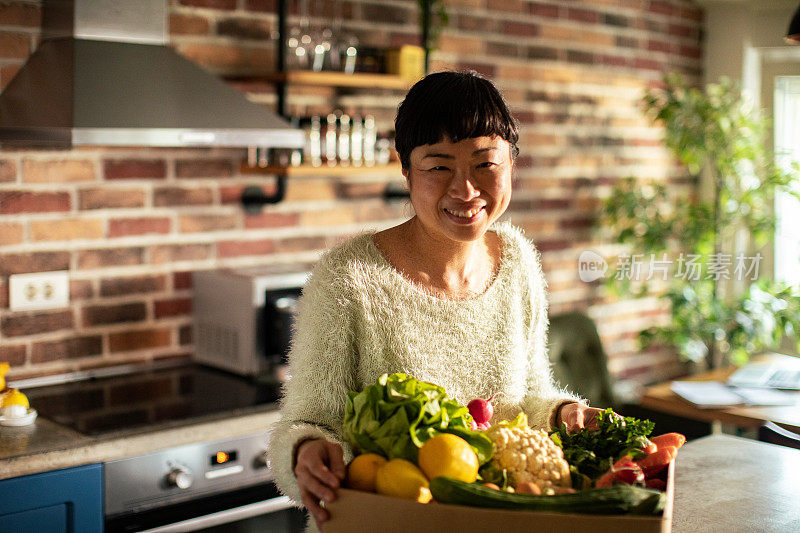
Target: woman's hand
{"x": 577, "y": 416}
{"x": 319, "y": 471}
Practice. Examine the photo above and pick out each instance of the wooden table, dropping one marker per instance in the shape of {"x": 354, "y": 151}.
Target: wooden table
{"x": 661, "y": 398}
{"x": 730, "y": 484}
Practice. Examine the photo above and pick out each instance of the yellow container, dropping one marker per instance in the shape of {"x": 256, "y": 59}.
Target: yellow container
{"x": 408, "y": 62}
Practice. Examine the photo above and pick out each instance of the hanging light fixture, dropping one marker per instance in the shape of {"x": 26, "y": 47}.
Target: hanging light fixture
{"x": 793, "y": 33}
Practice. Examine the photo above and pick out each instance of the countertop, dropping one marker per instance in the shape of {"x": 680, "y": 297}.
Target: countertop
{"x": 725, "y": 483}
{"x": 45, "y": 445}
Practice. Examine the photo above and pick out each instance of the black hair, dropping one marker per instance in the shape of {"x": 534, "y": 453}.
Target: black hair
{"x": 452, "y": 105}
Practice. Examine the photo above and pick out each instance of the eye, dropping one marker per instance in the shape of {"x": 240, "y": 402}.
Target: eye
{"x": 439, "y": 168}
{"x": 487, "y": 164}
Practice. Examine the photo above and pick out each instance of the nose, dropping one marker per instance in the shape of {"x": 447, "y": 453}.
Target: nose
{"x": 462, "y": 187}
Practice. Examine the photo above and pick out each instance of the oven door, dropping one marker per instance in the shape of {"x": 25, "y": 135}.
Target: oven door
{"x": 257, "y": 508}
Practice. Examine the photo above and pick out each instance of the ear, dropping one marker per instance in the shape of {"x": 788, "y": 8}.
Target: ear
{"x": 406, "y": 174}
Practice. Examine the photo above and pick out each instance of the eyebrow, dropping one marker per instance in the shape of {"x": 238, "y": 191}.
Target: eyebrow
{"x": 450, "y": 156}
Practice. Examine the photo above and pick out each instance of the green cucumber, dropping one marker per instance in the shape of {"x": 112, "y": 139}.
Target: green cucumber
{"x": 618, "y": 499}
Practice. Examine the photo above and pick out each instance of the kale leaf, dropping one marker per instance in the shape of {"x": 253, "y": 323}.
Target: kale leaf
{"x": 592, "y": 452}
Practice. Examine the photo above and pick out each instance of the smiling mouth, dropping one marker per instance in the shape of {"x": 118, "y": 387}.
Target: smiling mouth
{"x": 465, "y": 214}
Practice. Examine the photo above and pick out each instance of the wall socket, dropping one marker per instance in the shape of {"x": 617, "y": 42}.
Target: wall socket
{"x": 39, "y": 290}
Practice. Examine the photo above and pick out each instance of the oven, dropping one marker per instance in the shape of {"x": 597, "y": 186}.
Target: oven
{"x": 219, "y": 486}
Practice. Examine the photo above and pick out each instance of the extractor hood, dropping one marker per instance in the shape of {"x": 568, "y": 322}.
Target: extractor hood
{"x": 103, "y": 75}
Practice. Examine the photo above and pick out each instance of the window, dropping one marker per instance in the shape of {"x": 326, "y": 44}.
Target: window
{"x": 787, "y": 150}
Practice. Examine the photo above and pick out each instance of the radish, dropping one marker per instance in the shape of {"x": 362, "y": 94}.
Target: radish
{"x": 482, "y": 411}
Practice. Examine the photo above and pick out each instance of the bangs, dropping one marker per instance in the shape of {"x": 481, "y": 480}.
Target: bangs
{"x": 453, "y": 106}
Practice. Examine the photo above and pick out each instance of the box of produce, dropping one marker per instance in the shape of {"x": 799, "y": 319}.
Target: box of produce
{"x": 423, "y": 462}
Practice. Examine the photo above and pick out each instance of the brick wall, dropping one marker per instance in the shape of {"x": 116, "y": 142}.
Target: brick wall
{"x": 132, "y": 224}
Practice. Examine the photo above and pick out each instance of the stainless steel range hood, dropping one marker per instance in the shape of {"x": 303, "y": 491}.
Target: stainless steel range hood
{"x": 103, "y": 75}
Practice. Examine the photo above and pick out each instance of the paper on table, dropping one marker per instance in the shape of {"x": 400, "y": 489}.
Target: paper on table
{"x": 711, "y": 394}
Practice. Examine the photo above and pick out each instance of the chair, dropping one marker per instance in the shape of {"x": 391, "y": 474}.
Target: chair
{"x": 580, "y": 363}
{"x": 774, "y": 434}
{"x": 578, "y": 359}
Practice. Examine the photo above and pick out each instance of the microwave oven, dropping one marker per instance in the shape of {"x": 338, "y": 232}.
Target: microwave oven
{"x": 243, "y": 318}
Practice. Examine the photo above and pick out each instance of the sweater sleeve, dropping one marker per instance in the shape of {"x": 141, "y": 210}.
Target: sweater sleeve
{"x": 543, "y": 398}
{"x": 321, "y": 369}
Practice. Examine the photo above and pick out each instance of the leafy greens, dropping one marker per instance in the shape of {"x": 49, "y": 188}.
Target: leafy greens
{"x": 592, "y": 452}
{"x": 396, "y": 415}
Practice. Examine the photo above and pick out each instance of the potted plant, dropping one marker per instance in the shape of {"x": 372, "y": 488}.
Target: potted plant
{"x": 722, "y": 307}
{"x": 432, "y": 18}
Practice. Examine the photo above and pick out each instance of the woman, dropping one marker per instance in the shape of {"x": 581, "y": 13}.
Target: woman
{"x": 449, "y": 296}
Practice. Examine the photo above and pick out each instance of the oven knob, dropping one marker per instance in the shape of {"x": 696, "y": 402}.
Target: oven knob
{"x": 180, "y": 477}
{"x": 261, "y": 460}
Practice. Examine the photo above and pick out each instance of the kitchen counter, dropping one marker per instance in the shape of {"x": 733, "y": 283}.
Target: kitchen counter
{"x": 46, "y": 446}
{"x": 725, "y": 483}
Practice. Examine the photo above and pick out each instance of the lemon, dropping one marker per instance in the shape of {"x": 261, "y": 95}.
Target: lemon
{"x": 402, "y": 479}
{"x": 3, "y": 370}
{"x": 362, "y": 472}
{"x": 14, "y": 397}
{"x": 448, "y": 455}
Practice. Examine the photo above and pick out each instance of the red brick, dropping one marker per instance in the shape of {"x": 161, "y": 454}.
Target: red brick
{"x": 133, "y": 285}
{"x": 134, "y": 169}
{"x": 33, "y": 262}
{"x": 204, "y": 168}
{"x": 172, "y": 196}
{"x": 239, "y": 248}
{"x": 57, "y": 170}
{"x": 397, "y": 40}
{"x": 179, "y": 252}
{"x": 583, "y": 15}
{"x": 474, "y": 23}
{"x": 138, "y": 226}
{"x": 270, "y": 6}
{"x": 176, "y": 307}
{"x": 300, "y": 244}
{"x": 110, "y": 257}
{"x": 187, "y": 24}
{"x": 182, "y": 280}
{"x": 139, "y": 340}
{"x": 16, "y": 45}
{"x": 695, "y": 52}
{"x": 647, "y": 64}
{"x": 71, "y": 348}
{"x": 32, "y": 323}
{"x": 683, "y": 31}
{"x": 19, "y": 14}
{"x": 663, "y": 7}
{"x": 100, "y": 198}
{"x": 241, "y": 28}
{"x": 271, "y": 220}
{"x": 33, "y": 202}
{"x": 66, "y": 229}
{"x": 211, "y": 4}
{"x": 520, "y": 28}
{"x": 692, "y": 13}
{"x": 543, "y": 10}
{"x": 381, "y": 13}
{"x": 8, "y": 170}
{"x": 114, "y": 314}
{"x": 80, "y": 289}
{"x": 14, "y": 355}
{"x": 205, "y": 223}
{"x": 485, "y": 70}
{"x": 11, "y": 233}
{"x": 515, "y": 6}
{"x": 659, "y": 46}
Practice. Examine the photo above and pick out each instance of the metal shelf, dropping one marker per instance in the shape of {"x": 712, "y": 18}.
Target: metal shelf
{"x": 324, "y": 170}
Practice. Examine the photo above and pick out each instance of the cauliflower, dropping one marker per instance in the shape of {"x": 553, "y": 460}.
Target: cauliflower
{"x": 529, "y": 456}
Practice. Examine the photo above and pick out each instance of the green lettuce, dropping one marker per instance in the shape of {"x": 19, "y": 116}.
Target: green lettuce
{"x": 396, "y": 415}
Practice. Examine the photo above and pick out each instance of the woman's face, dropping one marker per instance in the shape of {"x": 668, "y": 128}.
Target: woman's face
{"x": 459, "y": 189}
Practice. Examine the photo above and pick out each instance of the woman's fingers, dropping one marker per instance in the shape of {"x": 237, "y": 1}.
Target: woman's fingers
{"x": 336, "y": 459}
{"x": 308, "y": 481}
{"x": 312, "y": 504}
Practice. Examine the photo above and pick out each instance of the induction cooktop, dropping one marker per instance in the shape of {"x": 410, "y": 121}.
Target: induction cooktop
{"x": 148, "y": 397}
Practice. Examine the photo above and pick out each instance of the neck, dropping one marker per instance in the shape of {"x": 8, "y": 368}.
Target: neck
{"x": 447, "y": 263}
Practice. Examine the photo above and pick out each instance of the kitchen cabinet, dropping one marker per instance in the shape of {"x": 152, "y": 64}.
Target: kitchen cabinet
{"x": 67, "y": 501}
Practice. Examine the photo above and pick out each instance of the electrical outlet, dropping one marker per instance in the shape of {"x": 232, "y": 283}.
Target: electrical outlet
{"x": 39, "y": 290}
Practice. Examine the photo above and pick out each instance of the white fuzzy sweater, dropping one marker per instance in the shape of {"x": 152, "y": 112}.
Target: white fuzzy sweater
{"x": 359, "y": 318}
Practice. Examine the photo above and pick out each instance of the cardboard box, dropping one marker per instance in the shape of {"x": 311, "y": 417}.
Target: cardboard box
{"x": 355, "y": 511}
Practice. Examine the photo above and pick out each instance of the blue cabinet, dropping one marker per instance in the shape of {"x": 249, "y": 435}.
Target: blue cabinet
{"x": 68, "y": 501}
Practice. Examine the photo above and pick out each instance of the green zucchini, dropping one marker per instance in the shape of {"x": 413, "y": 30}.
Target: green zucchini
{"x": 618, "y": 499}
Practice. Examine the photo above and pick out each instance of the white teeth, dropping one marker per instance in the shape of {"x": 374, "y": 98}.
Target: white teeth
{"x": 464, "y": 214}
